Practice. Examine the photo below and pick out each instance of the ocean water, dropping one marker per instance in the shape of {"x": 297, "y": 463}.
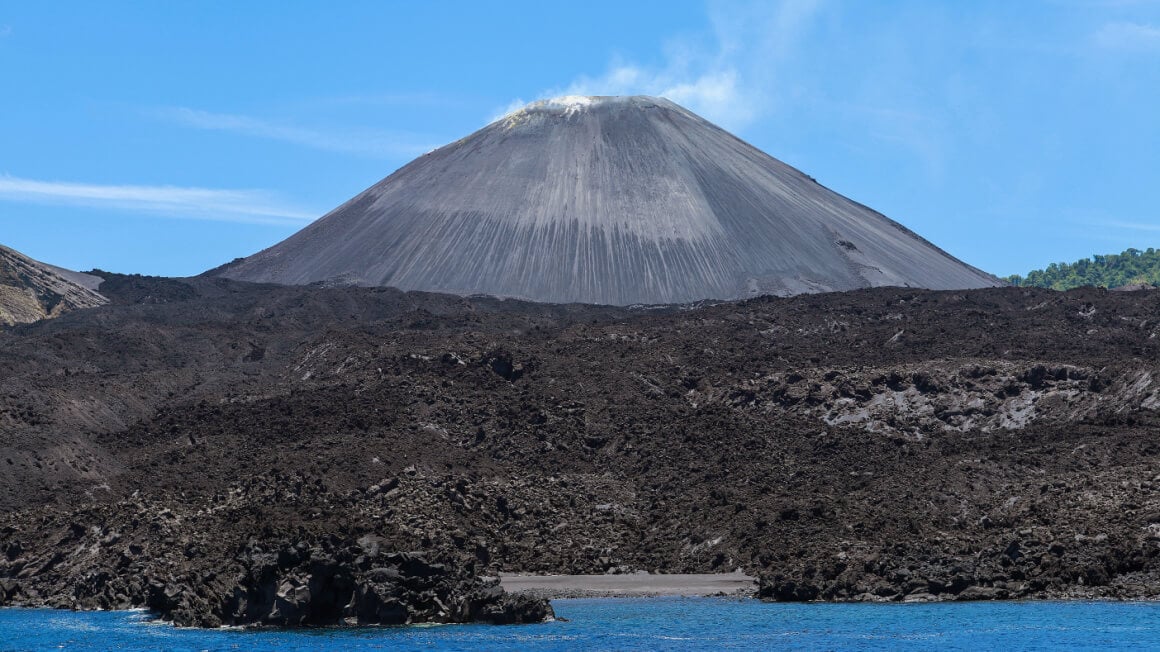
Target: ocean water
{"x": 649, "y": 624}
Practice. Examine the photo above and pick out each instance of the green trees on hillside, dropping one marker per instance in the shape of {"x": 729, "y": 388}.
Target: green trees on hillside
{"x": 1111, "y": 271}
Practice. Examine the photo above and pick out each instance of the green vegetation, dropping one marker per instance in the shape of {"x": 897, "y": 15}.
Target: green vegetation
{"x": 1111, "y": 271}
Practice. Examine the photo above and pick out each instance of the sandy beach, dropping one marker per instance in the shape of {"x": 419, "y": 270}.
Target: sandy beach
{"x": 631, "y": 585}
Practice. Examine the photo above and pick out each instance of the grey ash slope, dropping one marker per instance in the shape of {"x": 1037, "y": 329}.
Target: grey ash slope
{"x": 605, "y": 200}
{"x": 31, "y": 290}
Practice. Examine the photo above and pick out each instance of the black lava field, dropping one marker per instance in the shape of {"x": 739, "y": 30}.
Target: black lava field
{"x": 200, "y": 441}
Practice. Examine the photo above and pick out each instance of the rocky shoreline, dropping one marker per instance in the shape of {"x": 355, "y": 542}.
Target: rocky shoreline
{"x": 326, "y": 584}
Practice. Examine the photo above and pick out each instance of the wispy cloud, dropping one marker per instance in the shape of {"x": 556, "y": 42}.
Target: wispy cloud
{"x": 1135, "y": 37}
{"x": 5, "y": 30}
{"x": 1132, "y": 226}
{"x": 249, "y": 206}
{"x": 730, "y": 80}
{"x": 363, "y": 142}
{"x": 714, "y": 93}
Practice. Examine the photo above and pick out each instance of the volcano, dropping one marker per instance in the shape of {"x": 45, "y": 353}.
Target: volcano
{"x": 605, "y": 200}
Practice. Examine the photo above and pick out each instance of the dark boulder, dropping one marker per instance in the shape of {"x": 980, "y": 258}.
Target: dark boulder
{"x": 778, "y": 588}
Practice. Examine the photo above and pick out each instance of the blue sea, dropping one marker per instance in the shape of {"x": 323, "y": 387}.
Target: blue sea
{"x": 649, "y": 624}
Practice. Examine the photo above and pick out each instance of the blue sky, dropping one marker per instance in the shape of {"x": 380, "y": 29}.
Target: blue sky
{"x": 168, "y": 138}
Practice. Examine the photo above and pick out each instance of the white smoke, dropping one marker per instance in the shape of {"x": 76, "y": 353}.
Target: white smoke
{"x": 731, "y": 81}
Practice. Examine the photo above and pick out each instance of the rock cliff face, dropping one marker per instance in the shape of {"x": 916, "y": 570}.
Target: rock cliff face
{"x": 31, "y": 290}
{"x": 607, "y": 200}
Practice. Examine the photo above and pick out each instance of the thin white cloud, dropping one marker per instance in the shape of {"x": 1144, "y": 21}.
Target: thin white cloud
{"x": 730, "y": 81}
{"x": 368, "y": 142}
{"x": 1135, "y": 37}
{"x": 248, "y": 206}
{"x": 5, "y": 30}
{"x": 924, "y": 136}
{"x": 1133, "y": 226}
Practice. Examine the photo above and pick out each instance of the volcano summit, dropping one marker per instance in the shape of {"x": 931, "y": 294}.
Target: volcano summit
{"x": 607, "y": 200}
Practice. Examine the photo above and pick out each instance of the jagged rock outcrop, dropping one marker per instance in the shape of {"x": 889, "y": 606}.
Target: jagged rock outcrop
{"x": 303, "y": 585}
{"x": 326, "y": 581}
{"x": 31, "y": 290}
{"x": 1032, "y": 561}
{"x": 605, "y": 200}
